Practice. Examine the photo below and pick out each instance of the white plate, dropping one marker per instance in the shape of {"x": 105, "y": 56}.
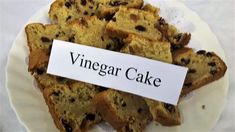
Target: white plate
{"x": 32, "y": 111}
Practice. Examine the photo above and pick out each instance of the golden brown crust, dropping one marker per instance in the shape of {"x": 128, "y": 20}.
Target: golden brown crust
{"x": 54, "y": 114}
{"x": 37, "y": 58}
{"x": 178, "y": 52}
{"x": 103, "y": 106}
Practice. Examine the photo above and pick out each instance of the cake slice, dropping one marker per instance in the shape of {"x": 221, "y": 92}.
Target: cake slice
{"x": 78, "y": 116}
{"x": 145, "y": 23}
{"x": 169, "y": 31}
{"x": 91, "y": 31}
{"x": 133, "y": 21}
{"x": 171, "y": 34}
{"x": 165, "y": 114}
{"x": 156, "y": 50}
{"x": 63, "y": 11}
{"x": 88, "y": 31}
{"x": 125, "y": 112}
{"x": 109, "y": 7}
{"x": 71, "y": 107}
{"x": 40, "y": 37}
{"x": 204, "y": 67}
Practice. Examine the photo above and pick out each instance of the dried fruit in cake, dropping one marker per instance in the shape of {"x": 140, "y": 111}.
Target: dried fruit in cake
{"x": 156, "y": 50}
{"x": 71, "y": 106}
{"x": 204, "y": 67}
{"x": 125, "y": 112}
{"x": 63, "y": 11}
{"x": 146, "y": 24}
{"x": 165, "y": 114}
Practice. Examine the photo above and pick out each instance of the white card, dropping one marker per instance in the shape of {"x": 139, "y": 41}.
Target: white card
{"x": 133, "y": 74}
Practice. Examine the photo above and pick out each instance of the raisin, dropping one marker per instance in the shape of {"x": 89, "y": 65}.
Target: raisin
{"x": 169, "y": 107}
{"x": 57, "y": 35}
{"x": 40, "y": 71}
{"x": 72, "y": 100}
{"x": 67, "y": 126}
{"x": 92, "y": 14}
{"x": 85, "y": 13}
{"x": 56, "y": 93}
{"x": 188, "y": 84}
{"x": 108, "y": 17}
{"x": 117, "y": 3}
{"x": 45, "y": 39}
{"x": 108, "y": 47}
{"x": 69, "y": 17}
{"x": 201, "y": 52}
{"x": 91, "y": 7}
{"x": 128, "y": 129}
{"x": 140, "y": 28}
{"x": 90, "y": 117}
{"x": 102, "y": 38}
{"x": 67, "y": 4}
{"x": 118, "y": 44}
{"x": 83, "y": 2}
{"x": 72, "y": 39}
{"x": 209, "y": 54}
{"x": 139, "y": 110}
{"x": 124, "y": 104}
{"x": 191, "y": 71}
{"x": 185, "y": 61}
{"x": 212, "y": 64}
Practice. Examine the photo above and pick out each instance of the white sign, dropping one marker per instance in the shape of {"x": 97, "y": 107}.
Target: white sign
{"x": 141, "y": 76}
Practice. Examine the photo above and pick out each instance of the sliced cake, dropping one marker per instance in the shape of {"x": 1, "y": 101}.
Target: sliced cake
{"x": 125, "y": 112}
{"x": 204, "y": 67}
{"x": 165, "y": 114}
{"x": 145, "y": 23}
{"x": 71, "y": 106}
{"x": 63, "y": 11}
